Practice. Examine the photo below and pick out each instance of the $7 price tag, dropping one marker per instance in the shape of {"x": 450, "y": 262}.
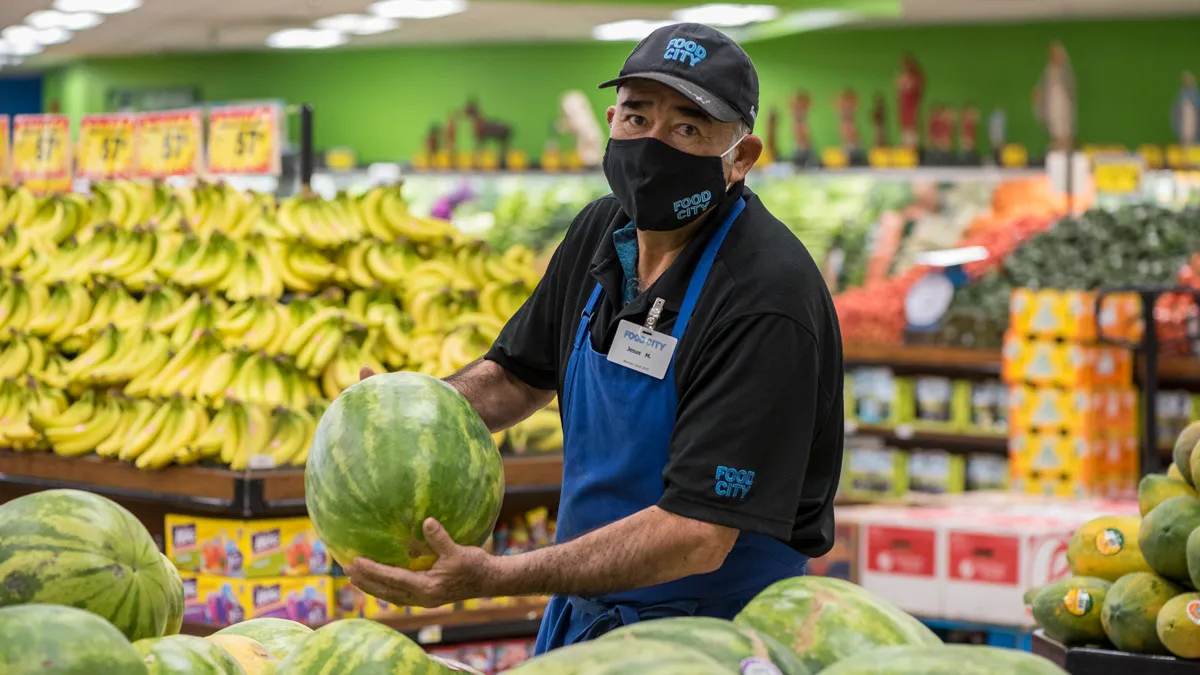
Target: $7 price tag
{"x": 169, "y": 143}
{"x": 106, "y": 146}
{"x": 42, "y": 151}
{"x": 244, "y": 140}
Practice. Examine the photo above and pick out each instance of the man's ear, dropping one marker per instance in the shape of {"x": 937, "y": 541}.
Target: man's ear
{"x": 745, "y": 156}
{"x": 612, "y": 112}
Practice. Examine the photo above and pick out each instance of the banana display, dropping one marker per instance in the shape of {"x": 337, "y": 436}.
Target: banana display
{"x": 172, "y": 325}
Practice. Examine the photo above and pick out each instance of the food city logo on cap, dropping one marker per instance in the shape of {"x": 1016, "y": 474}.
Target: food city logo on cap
{"x": 733, "y": 482}
{"x": 690, "y": 207}
{"x": 685, "y": 51}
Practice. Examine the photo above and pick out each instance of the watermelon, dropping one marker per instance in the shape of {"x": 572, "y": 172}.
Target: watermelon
{"x": 824, "y": 620}
{"x": 638, "y": 656}
{"x": 391, "y": 451}
{"x": 279, "y": 636}
{"x": 729, "y": 644}
{"x": 58, "y": 640}
{"x": 68, "y": 547}
{"x": 186, "y": 655}
{"x": 250, "y": 654}
{"x": 175, "y": 605}
{"x": 356, "y": 645}
{"x": 944, "y": 660}
{"x": 671, "y": 663}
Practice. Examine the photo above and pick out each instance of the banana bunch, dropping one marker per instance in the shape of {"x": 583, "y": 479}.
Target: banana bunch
{"x": 180, "y": 375}
{"x": 18, "y": 301}
{"x": 18, "y": 205}
{"x": 385, "y": 216}
{"x": 315, "y": 341}
{"x": 67, "y": 306}
{"x": 357, "y": 349}
{"x": 53, "y": 220}
{"x": 306, "y": 217}
{"x": 253, "y": 274}
{"x": 203, "y": 262}
{"x": 19, "y": 404}
{"x": 123, "y": 203}
{"x": 210, "y": 208}
{"x": 117, "y": 357}
{"x": 541, "y": 432}
{"x": 192, "y": 317}
{"x": 291, "y": 435}
{"x": 23, "y": 355}
{"x": 302, "y": 267}
{"x": 260, "y": 324}
{"x": 262, "y": 380}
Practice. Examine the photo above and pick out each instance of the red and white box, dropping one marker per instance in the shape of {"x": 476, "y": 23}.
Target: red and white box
{"x": 899, "y": 557}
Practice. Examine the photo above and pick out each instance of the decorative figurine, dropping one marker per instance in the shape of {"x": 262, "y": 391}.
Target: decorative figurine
{"x": 847, "y": 109}
{"x": 773, "y": 134}
{"x": 910, "y": 89}
{"x": 578, "y": 119}
{"x": 433, "y": 140}
{"x": 488, "y": 130}
{"x": 879, "y": 121}
{"x": 1054, "y": 99}
{"x": 1185, "y": 117}
{"x": 801, "y": 103}
{"x": 968, "y": 134}
{"x": 997, "y": 129}
{"x": 937, "y": 129}
{"x": 450, "y": 144}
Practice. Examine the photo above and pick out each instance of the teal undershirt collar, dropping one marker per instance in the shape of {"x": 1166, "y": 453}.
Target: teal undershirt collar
{"x": 625, "y": 241}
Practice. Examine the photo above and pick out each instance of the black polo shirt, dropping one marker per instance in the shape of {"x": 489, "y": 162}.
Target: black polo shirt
{"x": 758, "y": 372}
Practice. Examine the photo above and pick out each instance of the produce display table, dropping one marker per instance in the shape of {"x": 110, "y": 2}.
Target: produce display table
{"x": 1094, "y": 661}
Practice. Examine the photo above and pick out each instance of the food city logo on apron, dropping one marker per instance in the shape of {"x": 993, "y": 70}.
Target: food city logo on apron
{"x": 690, "y": 207}
{"x": 733, "y": 482}
{"x": 685, "y": 51}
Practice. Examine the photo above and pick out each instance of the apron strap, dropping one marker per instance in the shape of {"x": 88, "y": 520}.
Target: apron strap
{"x": 702, "y": 269}
{"x": 585, "y": 319}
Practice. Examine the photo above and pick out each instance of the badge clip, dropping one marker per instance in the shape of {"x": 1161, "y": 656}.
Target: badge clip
{"x": 652, "y": 317}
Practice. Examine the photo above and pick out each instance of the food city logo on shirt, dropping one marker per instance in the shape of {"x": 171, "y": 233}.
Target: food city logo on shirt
{"x": 733, "y": 482}
{"x": 690, "y": 207}
{"x": 685, "y": 51}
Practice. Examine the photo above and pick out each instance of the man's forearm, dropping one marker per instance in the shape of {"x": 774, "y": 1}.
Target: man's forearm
{"x": 650, "y": 547}
{"x": 500, "y": 398}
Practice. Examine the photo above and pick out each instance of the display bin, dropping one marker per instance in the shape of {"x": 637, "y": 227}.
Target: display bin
{"x": 1095, "y": 661}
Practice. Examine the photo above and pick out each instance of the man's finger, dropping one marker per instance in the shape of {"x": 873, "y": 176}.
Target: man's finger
{"x": 365, "y": 372}
{"x": 397, "y": 577}
{"x": 438, "y": 538}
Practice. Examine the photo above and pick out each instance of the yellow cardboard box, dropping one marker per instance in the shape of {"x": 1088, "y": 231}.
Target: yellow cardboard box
{"x": 1071, "y": 315}
{"x": 246, "y": 548}
{"x": 350, "y": 602}
{"x": 223, "y": 601}
{"x": 1049, "y": 363}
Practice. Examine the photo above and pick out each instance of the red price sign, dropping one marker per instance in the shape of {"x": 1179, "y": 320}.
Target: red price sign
{"x": 245, "y": 140}
{"x": 41, "y": 151}
{"x": 169, "y": 143}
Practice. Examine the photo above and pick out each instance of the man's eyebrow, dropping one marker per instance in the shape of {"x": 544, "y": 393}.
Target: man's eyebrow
{"x": 686, "y": 110}
{"x": 635, "y": 104}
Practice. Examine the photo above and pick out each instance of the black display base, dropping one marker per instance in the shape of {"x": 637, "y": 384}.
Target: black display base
{"x": 1096, "y": 661}
{"x": 805, "y": 159}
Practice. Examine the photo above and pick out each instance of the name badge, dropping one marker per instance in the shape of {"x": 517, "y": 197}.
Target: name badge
{"x": 644, "y": 350}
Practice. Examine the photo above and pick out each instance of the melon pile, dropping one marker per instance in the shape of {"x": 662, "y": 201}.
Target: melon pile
{"x": 1135, "y": 579}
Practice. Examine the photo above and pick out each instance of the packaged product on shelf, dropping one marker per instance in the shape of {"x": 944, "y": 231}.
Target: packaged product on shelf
{"x": 539, "y": 530}
{"x": 988, "y": 410}
{"x": 1050, "y": 363}
{"x": 931, "y": 403}
{"x": 872, "y": 393}
{"x": 222, "y": 601}
{"x": 480, "y": 656}
{"x": 1176, "y": 410}
{"x": 870, "y": 470}
{"x": 936, "y": 472}
{"x": 986, "y": 472}
{"x": 512, "y": 653}
{"x": 350, "y": 602}
{"x": 456, "y": 666}
{"x": 245, "y": 548}
{"x": 432, "y": 611}
{"x": 1071, "y": 315}
{"x": 1063, "y": 465}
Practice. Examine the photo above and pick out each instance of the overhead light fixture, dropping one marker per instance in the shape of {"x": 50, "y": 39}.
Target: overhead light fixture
{"x": 357, "y": 24}
{"x": 98, "y": 6}
{"x": 629, "y": 29}
{"x": 726, "y": 15}
{"x": 28, "y": 35}
{"x": 49, "y": 18}
{"x": 305, "y": 38}
{"x": 8, "y": 48}
{"x": 417, "y": 9}
{"x": 53, "y": 36}
{"x": 816, "y": 19}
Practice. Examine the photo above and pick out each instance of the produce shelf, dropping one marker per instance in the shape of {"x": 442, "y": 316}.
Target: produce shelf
{"x": 1094, "y": 661}
{"x": 496, "y": 623}
{"x": 904, "y": 436}
{"x": 273, "y": 492}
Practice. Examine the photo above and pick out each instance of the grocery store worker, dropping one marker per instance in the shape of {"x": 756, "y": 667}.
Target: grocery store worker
{"x": 697, "y": 359}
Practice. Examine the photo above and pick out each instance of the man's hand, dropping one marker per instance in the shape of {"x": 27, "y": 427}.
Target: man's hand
{"x": 460, "y": 573}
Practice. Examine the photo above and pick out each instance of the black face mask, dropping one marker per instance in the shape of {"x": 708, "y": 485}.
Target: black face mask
{"x": 661, "y": 188}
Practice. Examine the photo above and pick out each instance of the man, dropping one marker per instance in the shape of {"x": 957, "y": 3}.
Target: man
{"x": 697, "y": 358}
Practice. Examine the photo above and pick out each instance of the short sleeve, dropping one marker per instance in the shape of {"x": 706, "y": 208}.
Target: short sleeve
{"x": 745, "y": 425}
{"x": 528, "y": 345}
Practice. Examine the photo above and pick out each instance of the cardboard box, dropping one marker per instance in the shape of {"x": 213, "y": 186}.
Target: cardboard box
{"x": 987, "y": 407}
{"x": 1067, "y": 466}
{"x": 1062, "y": 364}
{"x": 899, "y": 560}
{"x": 936, "y": 471}
{"x": 223, "y": 601}
{"x": 245, "y": 548}
{"x": 350, "y": 602}
{"x": 871, "y": 396}
{"x": 841, "y": 562}
{"x": 872, "y": 471}
{"x": 1071, "y": 315}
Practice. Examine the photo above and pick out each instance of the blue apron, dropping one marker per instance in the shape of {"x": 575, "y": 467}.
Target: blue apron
{"x": 617, "y": 426}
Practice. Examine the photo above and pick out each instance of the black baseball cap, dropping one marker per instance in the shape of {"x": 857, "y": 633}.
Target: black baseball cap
{"x": 703, "y": 64}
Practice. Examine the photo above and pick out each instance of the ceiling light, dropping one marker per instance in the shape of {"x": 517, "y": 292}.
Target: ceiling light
{"x": 630, "y": 29}
{"x": 101, "y": 6}
{"x": 53, "y": 36}
{"x": 19, "y": 48}
{"x": 816, "y": 19}
{"x": 305, "y": 38}
{"x": 726, "y": 14}
{"x": 49, "y": 18}
{"x": 358, "y": 24}
{"x": 26, "y": 35}
{"x": 417, "y": 9}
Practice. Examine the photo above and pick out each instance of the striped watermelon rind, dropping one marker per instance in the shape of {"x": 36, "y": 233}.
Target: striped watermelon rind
{"x": 69, "y": 547}
{"x": 391, "y": 451}
{"x": 59, "y": 640}
{"x": 175, "y": 600}
{"x": 824, "y": 620}
{"x": 724, "y": 641}
{"x": 279, "y": 636}
{"x": 945, "y": 660}
{"x": 637, "y": 656}
{"x": 186, "y": 655}
{"x": 358, "y": 645}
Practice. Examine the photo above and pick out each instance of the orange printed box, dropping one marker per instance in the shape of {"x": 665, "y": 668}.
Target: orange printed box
{"x": 1048, "y": 363}
{"x": 1090, "y": 413}
{"x": 1071, "y": 315}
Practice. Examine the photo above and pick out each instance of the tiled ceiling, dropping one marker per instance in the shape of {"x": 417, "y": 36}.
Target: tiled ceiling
{"x": 210, "y": 25}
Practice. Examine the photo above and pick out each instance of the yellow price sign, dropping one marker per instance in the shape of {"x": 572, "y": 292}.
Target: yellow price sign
{"x": 1014, "y": 156}
{"x": 42, "y": 151}
{"x": 245, "y": 140}
{"x": 1118, "y": 177}
{"x": 904, "y": 158}
{"x": 106, "y": 146}
{"x": 879, "y": 158}
{"x": 835, "y": 158}
{"x": 5, "y": 155}
{"x": 1152, "y": 155}
{"x": 168, "y": 143}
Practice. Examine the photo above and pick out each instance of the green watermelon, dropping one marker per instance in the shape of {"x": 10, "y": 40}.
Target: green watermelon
{"x": 670, "y": 663}
{"x": 58, "y": 640}
{"x": 824, "y": 620}
{"x": 391, "y": 451}
{"x": 729, "y": 644}
{"x": 279, "y": 636}
{"x": 186, "y": 655}
{"x": 68, "y": 547}
{"x": 175, "y": 598}
{"x": 354, "y": 645}
{"x": 944, "y": 660}
{"x": 639, "y": 656}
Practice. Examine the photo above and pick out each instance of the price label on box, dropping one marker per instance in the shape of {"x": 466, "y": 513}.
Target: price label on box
{"x": 1014, "y": 156}
{"x": 5, "y": 155}
{"x": 904, "y": 158}
{"x": 245, "y": 140}
{"x": 106, "y": 146}
{"x": 168, "y": 144}
{"x": 1118, "y": 177}
{"x": 835, "y": 158}
{"x": 879, "y": 158}
{"x": 42, "y": 151}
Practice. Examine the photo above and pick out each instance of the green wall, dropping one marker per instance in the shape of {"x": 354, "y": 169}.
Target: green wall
{"x": 382, "y": 101}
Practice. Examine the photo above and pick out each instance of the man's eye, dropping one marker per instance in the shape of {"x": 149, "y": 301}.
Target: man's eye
{"x": 688, "y": 130}
{"x": 636, "y": 120}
